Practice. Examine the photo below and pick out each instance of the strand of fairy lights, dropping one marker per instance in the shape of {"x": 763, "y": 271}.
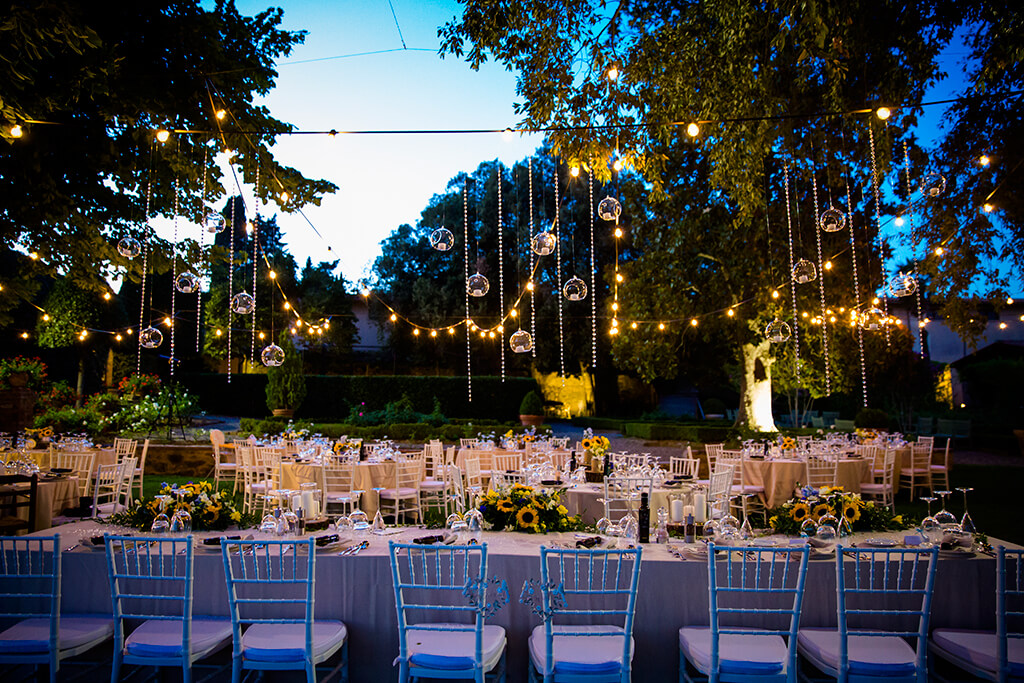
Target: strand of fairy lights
{"x": 878, "y": 226}
{"x": 204, "y": 271}
{"x": 501, "y": 268}
{"x": 792, "y": 279}
{"x": 254, "y": 245}
{"x": 913, "y": 239}
{"x": 558, "y": 279}
{"x": 174, "y": 273}
{"x": 465, "y": 286}
{"x": 145, "y": 270}
{"x": 529, "y": 242}
{"x": 593, "y": 273}
{"x": 821, "y": 285}
{"x": 856, "y": 281}
{"x": 231, "y": 281}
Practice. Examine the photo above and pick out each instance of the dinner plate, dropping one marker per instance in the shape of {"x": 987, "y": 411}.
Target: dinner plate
{"x": 956, "y": 553}
{"x": 879, "y": 542}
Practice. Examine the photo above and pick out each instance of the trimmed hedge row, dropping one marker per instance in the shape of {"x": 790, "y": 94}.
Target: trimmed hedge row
{"x": 416, "y": 432}
{"x": 607, "y": 423}
{"x": 333, "y": 396}
{"x": 659, "y": 431}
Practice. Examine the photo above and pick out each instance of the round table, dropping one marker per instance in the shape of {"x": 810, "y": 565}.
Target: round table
{"x": 583, "y": 500}
{"x": 780, "y": 477}
{"x": 366, "y": 477}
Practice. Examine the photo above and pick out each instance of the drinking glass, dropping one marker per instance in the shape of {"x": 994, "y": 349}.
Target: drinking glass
{"x": 161, "y": 523}
{"x": 181, "y": 521}
{"x": 931, "y": 530}
{"x": 360, "y": 523}
{"x": 966, "y": 523}
{"x": 945, "y": 518}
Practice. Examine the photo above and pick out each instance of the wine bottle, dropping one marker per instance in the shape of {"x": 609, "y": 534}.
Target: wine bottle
{"x": 689, "y": 530}
{"x": 572, "y": 461}
{"x": 644, "y": 520}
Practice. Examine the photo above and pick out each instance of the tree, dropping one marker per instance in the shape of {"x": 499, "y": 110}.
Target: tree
{"x": 286, "y": 383}
{"x": 757, "y": 77}
{"x": 70, "y": 311}
{"x": 102, "y": 78}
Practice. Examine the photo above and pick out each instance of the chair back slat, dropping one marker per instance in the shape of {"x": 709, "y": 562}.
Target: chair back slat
{"x": 1009, "y": 604}
{"x": 30, "y": 573}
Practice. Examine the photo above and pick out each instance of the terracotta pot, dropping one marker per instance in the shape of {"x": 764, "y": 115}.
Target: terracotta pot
{"x": 18, "y": 379}
{"x": 283, "y": 412}
{"x": 531, "y": 420}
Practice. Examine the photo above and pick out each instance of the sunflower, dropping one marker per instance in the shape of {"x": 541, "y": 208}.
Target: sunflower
{"x": 586, "y": 443}
{"x": 799, "y": 512}
{"x": 504, "y": 505}
{"x": 820, "y": 510}
{"x": 527, "y": 518}
{"x": 851, "y": 512}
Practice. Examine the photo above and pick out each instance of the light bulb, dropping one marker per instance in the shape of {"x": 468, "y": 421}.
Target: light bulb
{"x": 507, "y": 134}
{"x": 117, "y": 337}
{"x": 163, "y": 135}
{"x": 284, "y": 196}
{"x": 529, "y": 286}
{"x": 365, "y": 291}
{"x": 618, "y": 232}
{"x": 775, "y": 294}
{"x": 693, "y": 322}
{"x": 828, "y": 265}
{"x": 614, "y": 331}
{"x": 262, "y": 335}
{"x": 939, "y": 251}
{"x": 987, "y": 207}
{"x": 433, "y": 333}
{"x": 613, "y": 73}
{"x": 1009, "y": 301}
{"x": 106, "y": 296}
{"x": 416, "y": 332}
{"x": 875, "y": 301}
{"x": 661, "y": 326}
{"x": 24, "y": 335}
{"x": 730, "y": 313}
{"x": 16, "y": 131}
{"x": 693, "y": 130}
{"x": 512, "y": 313}
{"x": 218, "y": 332}
{"x": 574, "y": 171}
{"x": 633, "y": 325}
{"x": 491, "y": 334}
{"x": 618, "y": 277}
{"x": 501, "y": 328}
{"x": 615, "y": 306}
{"x": 394, "y": 317}
{"x": 898, "y": 221}
{"x": 287, "y": 305}
{"x": 451, "y": 330}
{"x": 273, "y": 275}
{"x": 221, "y": 114}
{"x": 883, "y": 113}
{"x": 46, "y": 317}
{"x": 617, "y": 164}
{"x": 984, "y": 160}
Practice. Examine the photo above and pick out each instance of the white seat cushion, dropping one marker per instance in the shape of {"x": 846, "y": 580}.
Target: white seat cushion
{"x": 979, "y": 648}
{"x": 868, "y": 655}
{"x": 162, "y": 638}
{"x": 287, "y": 642}
{"x": 453, "y": 650}
{"x": 227, "y": 466}
{"x": 749, "y": 488}
{"x": 737, "y": 654}
{"x": 33, "y": 635}
{"x": 590, "y": 654}
{"x": 398, "y": 493}
{"x": 874, "y": 488}
{"x": 431, "y": 485}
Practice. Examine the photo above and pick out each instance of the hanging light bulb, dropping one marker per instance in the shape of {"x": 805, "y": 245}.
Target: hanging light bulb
{"x": 163, "y": 135}
{"x": 442, "y": 239}
{"x": 477, "y": 285}
{"x": 17, "y": 131}
{"x": 272, "y": 355}
{"x": 804, "y": 271}
{"x": 613, "y": 73}
{"x": 221, "y": 114}
{"x": 883, "y": 113}
{"x": 693, "y": 130}
{"x": 574, "y": 171}
{"x": 984, "y": 160}
{"x": 609, "y": 209}
{"x": 129, "y": 247}
{"x": 777, "y": 331}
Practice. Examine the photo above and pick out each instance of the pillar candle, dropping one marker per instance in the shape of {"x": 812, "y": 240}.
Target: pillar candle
{"x": 700, "y": 507}
{"x": 307, "y": 503}
{"x": 677, "y": 511}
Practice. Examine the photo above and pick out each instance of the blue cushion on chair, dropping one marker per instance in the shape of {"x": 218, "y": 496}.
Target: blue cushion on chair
{"x": 754, "y": 654}
{"x": 33, "y": 635}
{"x": 868, "y": 655}
{"x": 453, "y": 650}
{"x": 590, "y": 654}
{"x": 162, "y": 638}
{"x": 287, "y": 642}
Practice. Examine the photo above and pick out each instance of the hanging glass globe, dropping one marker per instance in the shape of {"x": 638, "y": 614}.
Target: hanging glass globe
{"x": 575, "y": 289}
{"x": 902, "y": 284}
{"x": 873, "y": 319}
{"x": 214, "y": 222}
{"x": 832, "y": 220}
{"x": 187, "y": 282}
{"x": 129, "y": 247}
{"x": 804, "y": 271}
{"x": 521, "y": 341}
{"x": 442, "y": 239}
{"x": 150, "y": 338}
{"x": 243, "y": 303}
{"x": 777, "y": 331}
{"x": 933, "y": 184}
{"x": 477, "y": 285}
{"x": 609, "y": 209}
{"x": 543, "y": 243}
{"x": 272, "y": 356}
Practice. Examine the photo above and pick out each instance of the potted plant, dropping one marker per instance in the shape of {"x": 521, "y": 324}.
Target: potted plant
{"x": 531, "y": 410}
{"x": 286, "y": 384}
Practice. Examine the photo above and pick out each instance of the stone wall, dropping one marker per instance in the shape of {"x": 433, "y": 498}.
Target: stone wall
{"x": 184, "y": 460}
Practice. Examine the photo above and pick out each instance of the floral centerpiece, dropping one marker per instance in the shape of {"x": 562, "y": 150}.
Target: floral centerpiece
{"x": 211, "y": 510}
{"x": 522, "y": 508}
{"x": 787, "y": 443}
{"x": 810, "y": 503}
{"x": 594, "y": 448}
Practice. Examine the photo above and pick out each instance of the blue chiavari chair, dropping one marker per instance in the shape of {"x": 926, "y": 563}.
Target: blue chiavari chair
{"x": 886, "y": 594}
{"x": 997, "y": 656}
{"x": 271, "y": 589}
{"x": 30, "y": 574}
{"x": 151, "y": 581}
{"x": 581, "y": 589}
{"x": 449, "y": 583}
{"x": 755, "y": 598}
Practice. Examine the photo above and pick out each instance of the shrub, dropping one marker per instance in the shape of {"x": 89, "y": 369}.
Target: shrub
{"x": 59, "y": 396}
{"x": 35, "y": 368}
{"x": 71, "y": 420}
{"x": 714, "y": 406}
{"x": 532, "y": 404}
{"x": 871, "y": 418}
{"x": 286, "y": 385}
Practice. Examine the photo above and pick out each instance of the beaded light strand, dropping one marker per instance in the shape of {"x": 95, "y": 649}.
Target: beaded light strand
{"x": 465, "y": 286}
{"x": 593, "y": 273}
{"x": 913, "y": 239}
{"x": 821, "y": 286}
{"x": 202, "y": 250}
{"x": 558, "y": 279}
{"x": 878, "y": 227}
{"x": 856, "y": 281}
{"x": 792, "y": 280}
{"x": 501, "y": 268}
{"x": 145, "y": 270}
{"x": 255, "y": 245}
{"x": 231, "y": 280}
{"x": 529, "y": 239}
{"x": 174, "y": 271}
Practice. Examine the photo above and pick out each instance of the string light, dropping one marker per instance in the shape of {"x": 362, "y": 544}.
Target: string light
{"x": 792, "y": 280}
{"x": 273, "y": 275}
{"x": 24, "y": 335}
{"x": 828, "y": 265}
{"x": 693, "y": 130}
{"x": 1009, "y": 301}
{"x": 163, "y": 136}
{"x": 984, "y": 160}
{"x": 221, "y": 114}
{"x": 465, "y": 278}
{"x": 898, "y": 221}
{"x": 661, "y": 326}
{"x": 731, "y": 312}
{"x": 693, "y": 322}
{"x": 775, "y": 294}
{"x": 529, "y": 284}
{"x": 939, "y": 251}
{"x": 987, "y": 207}
{"x": 878, "y": 224}
{"x": 613, "y": 73}
{"x": 17, "y": 132}
{"x": 1002, "y": 326}
{"x": 501, "y": 264}
{"x": 856, "y": 281}
{"x": 557, "y": 230}
{"x": 574, "y": 172}
{"x": 593, "y": 272}
{"x": 883, "y": 113}
{"x": 821, "y": 286}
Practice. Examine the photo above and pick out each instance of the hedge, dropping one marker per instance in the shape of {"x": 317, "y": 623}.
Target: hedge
{"x": 414, "y": 433}
{"x": 606, "y": 423}
{"x": 659, "y": 431}
{"x": 332, "y": 396}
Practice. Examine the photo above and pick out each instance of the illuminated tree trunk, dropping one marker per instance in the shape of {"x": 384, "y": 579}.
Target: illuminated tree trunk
{"x": 756, "y": 388}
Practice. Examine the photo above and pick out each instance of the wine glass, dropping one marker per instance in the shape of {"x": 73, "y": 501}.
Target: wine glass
{"x": 360, "y": 523}
{"x": 930, "y": 528}
{"x": 808, "y": 528}
{"x": 966, "y": 523}
{"x": 181, "y": 521}
{"x": 946, "y": 519}
{"x": 161, "y": 523}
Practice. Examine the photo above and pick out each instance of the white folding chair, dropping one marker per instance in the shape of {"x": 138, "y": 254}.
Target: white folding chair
{"x": 685, "y": 468}
{"x": 820, "y": 470}
{"x": 451, "y": 580}
{"x": 337, "y": 481}
{"x": 580, "y": 586}
{"x": 883, "y": 490}
{"x": 125, "y": 447}
{"x": 30, "y": 596}
{"x": 81, "y": 465}
{"x": 151, "y": 580}
{"x": 940, "y": 473}
{"x": 140, "y": 471}
{"x": 402, "y": 498}
{"x": 224, "y": 470}
{"x": 271, "y": 590}
{"x": 112, "y": 484}
{"x": 622, "y": 494}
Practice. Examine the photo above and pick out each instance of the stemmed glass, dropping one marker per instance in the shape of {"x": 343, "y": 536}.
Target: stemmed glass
{"x": 746, "y": 531}
{"x": 931, "y": 530}
{"x": 160, "y": 523}
{"x": 966, "y": 523}
{"x": 181, "y": 521}
{"x": 945, "y": 518}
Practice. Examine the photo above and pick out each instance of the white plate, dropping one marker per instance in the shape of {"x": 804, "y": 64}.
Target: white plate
{"x": 880, "y": 542}
{"x": 956, "y": 553}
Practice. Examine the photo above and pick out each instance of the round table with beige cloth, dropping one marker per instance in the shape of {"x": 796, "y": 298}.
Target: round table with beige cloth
{"x": 486, "y": 455}
{"x": 366, "y": 477}
{"x": 53, "y": 496}
{"x": 583, "y": 500}
{"x": 780, "y": 477}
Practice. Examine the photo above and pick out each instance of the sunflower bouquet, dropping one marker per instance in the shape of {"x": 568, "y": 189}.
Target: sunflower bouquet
{"x": 522, "y": 508}
{"x": 810, "y": 503}
{"x": 788, "y": 443}
{"x": 211, "y": 510}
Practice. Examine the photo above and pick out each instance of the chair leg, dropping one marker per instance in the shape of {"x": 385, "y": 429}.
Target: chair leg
{"x": 236, "y": 668}
{"x": 115, "y": 666}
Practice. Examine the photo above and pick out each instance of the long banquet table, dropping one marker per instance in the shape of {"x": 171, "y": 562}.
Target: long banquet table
{"x": 672, "y": 592}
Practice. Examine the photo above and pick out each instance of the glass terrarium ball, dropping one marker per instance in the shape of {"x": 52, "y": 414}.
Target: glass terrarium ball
{"x": 521, "y": 341}
{"x": 187, "y": 282}
{"x": 575, "y": 289}
{"x": 777, "y": 331}
{"x": 902, "y": 284}
{"x": 609, "y": 209}
{"x": 543, "y": 243}
{"x": 442, "y": 239}
{"x": 933, "y": 184}
{"x": 873, "y": 319}
{"x": 214, "y": 222}
{"x": 243, "y": 303}
{"x": 832, "y": 220}
{"x": 804, "y": 271}
{"x": 477, "y": 285}
{"x": 150, "y": 338}
{"x": 129, "y": 247}
{"x": 272, "y": 356}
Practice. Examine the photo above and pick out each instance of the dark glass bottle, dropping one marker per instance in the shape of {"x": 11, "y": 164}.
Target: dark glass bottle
{"x": 689, "y": 530}
{"x": 643, "y": 519}
{"x": 572, "y": 461}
